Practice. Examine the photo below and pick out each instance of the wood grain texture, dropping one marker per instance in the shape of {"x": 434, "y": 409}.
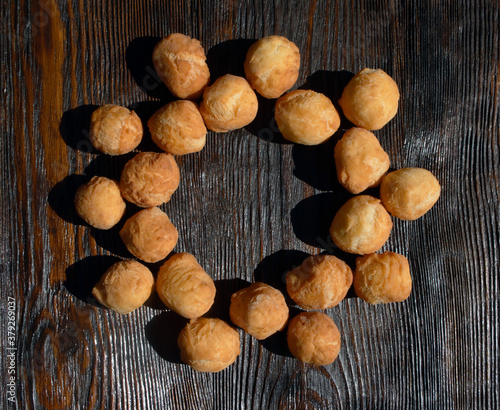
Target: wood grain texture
{"x": 250, "y": 207}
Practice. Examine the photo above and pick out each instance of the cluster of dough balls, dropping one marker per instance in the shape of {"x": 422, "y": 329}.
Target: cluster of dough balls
{"x": 361, "y": 226}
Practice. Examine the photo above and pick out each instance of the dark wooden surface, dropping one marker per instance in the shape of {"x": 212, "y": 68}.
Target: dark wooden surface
{"x": 249, "y": 207}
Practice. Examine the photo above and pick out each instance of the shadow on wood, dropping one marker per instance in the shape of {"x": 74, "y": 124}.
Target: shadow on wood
{"x": 311, "y": 218}
{"x": 62, "y": 195}
{"x": 145, "y": 110}
{"x": 108, "y": 166}
{"x": 273, "y": 268}
{"x": 162, "y": 332}
{"x": 225, "y": 288}
{"x": 82, "y": 276}
{"x": 228, "y": 57}
{"x": 264, "y": 125}
{"x": 75, "y": 128}
{"x": 139, "y": 59}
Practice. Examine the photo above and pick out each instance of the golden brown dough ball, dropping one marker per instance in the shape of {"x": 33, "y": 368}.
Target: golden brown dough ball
{"x": 125, "y": 286}
{"x": 272, "y": 66}
{"x": 149, "y": 235}
{"x": 382, "y": 278}
{"x": 100, "y": 203}
{"x": 208, "y": 345}
{"x": 409, "y": 193}
{"x": 306, "y": 117}
{"x": 320, "y": 282}
{"x": 313, "y": 337}
{"x": 370, "y": 99}
{"x": 178, "y": 128}
{"x": 115, "y": 130}
{"x": 184, "y": 286}
{"x": 361, "y": 225}
{"x": 180, "y": 62}
{"x": 149, "y": 179}
{"x": 360, "y": 160}
{"x": 260, "y": 310}
{"x": 228, "y": 104}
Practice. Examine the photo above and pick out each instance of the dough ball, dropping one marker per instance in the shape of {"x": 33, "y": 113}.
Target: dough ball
{"x": 320, "y": 282}
{"x": 382, "y": 278}
{"x": 272, "y": 66}
{"x": 184, "y": 286}
{"x": 178, "y": 128}
{"x": 260, "y": 310}
{"x": 125, "y": 286}
{"x": 360, "y": 160}
{"x": 313, "y": 337}
{"x": 100, "y": 203}
{"x": 228, "y": 104}
{"x": 149, "y": 179}
{"x": 208, "y": 345}
{"x": 306, "y": 117}
{"x": 361, "y": 225}
{"x": 115, "y": 130}
{"x": 370, "y": 99}
{"x": 149, "y": 235}
{"x": 180, "y": 62}
{"x": 409, "y": 193}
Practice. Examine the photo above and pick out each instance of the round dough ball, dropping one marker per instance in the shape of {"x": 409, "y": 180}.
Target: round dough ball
{"x": 409, "y": 193}
{"x": 260, "y": 310}
{"x": 382, "y": 278}
{"x": 180, "y": 62}
{"x": 313, "y": 337}
{"x": 361, "y": 225}
{"x": 272, "y": 66}
{"x": 184, "y": 286}
{"x": 149, "y": 235}
{"x": 178, "y": 128}
{"x": 306, "y": 117}
{"x": 149, "y": 179}
{"x": 115, "y": 130}
{"x": 370, "y": 99}
{"x": 320, "y": 282}
{"x": 360, "y": 160}
{"x": 100, "y": 203}
{"x": 228, "y": 104}
{"x": 208, "y": 345}
{"x": 125, "y": 286}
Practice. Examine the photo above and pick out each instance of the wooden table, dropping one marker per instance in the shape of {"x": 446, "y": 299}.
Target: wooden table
{"x": 249, "y": 207}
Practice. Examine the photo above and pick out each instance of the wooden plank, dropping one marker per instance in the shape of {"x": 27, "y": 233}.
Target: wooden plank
{"x": 250, "y": 207}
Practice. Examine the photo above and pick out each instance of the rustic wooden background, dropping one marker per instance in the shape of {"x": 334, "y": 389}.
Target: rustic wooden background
{"x": 249, "y": 206}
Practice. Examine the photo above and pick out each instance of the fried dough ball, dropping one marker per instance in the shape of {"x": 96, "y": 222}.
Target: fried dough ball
{"x": 259, "y": 309}
{"x": 272, "y": 66}
{"x": 360, "y": 160}
{"x": 180, "y": 62}
{"x": 228, "y": 104}
{"x": 382, "y": 278}
{"x": 370, "y": 99}
{"x": 361, "y": 225}
{"x": 115, "y": 130}
{"x": 149, "y": 179}
{"x": 149, "y": 235}
{"x": 313, "y": 337}
{"x": 125, "y": 286}
{"x": 184, "y": 286}
{"x": 100, "y": 203}
{"x": 320, "y": 282}
{"x": 208, "y": 345}
{"x": 409, "y": 193}
{"x": 178, "y": 128}
{"x": 306, "y": 117}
